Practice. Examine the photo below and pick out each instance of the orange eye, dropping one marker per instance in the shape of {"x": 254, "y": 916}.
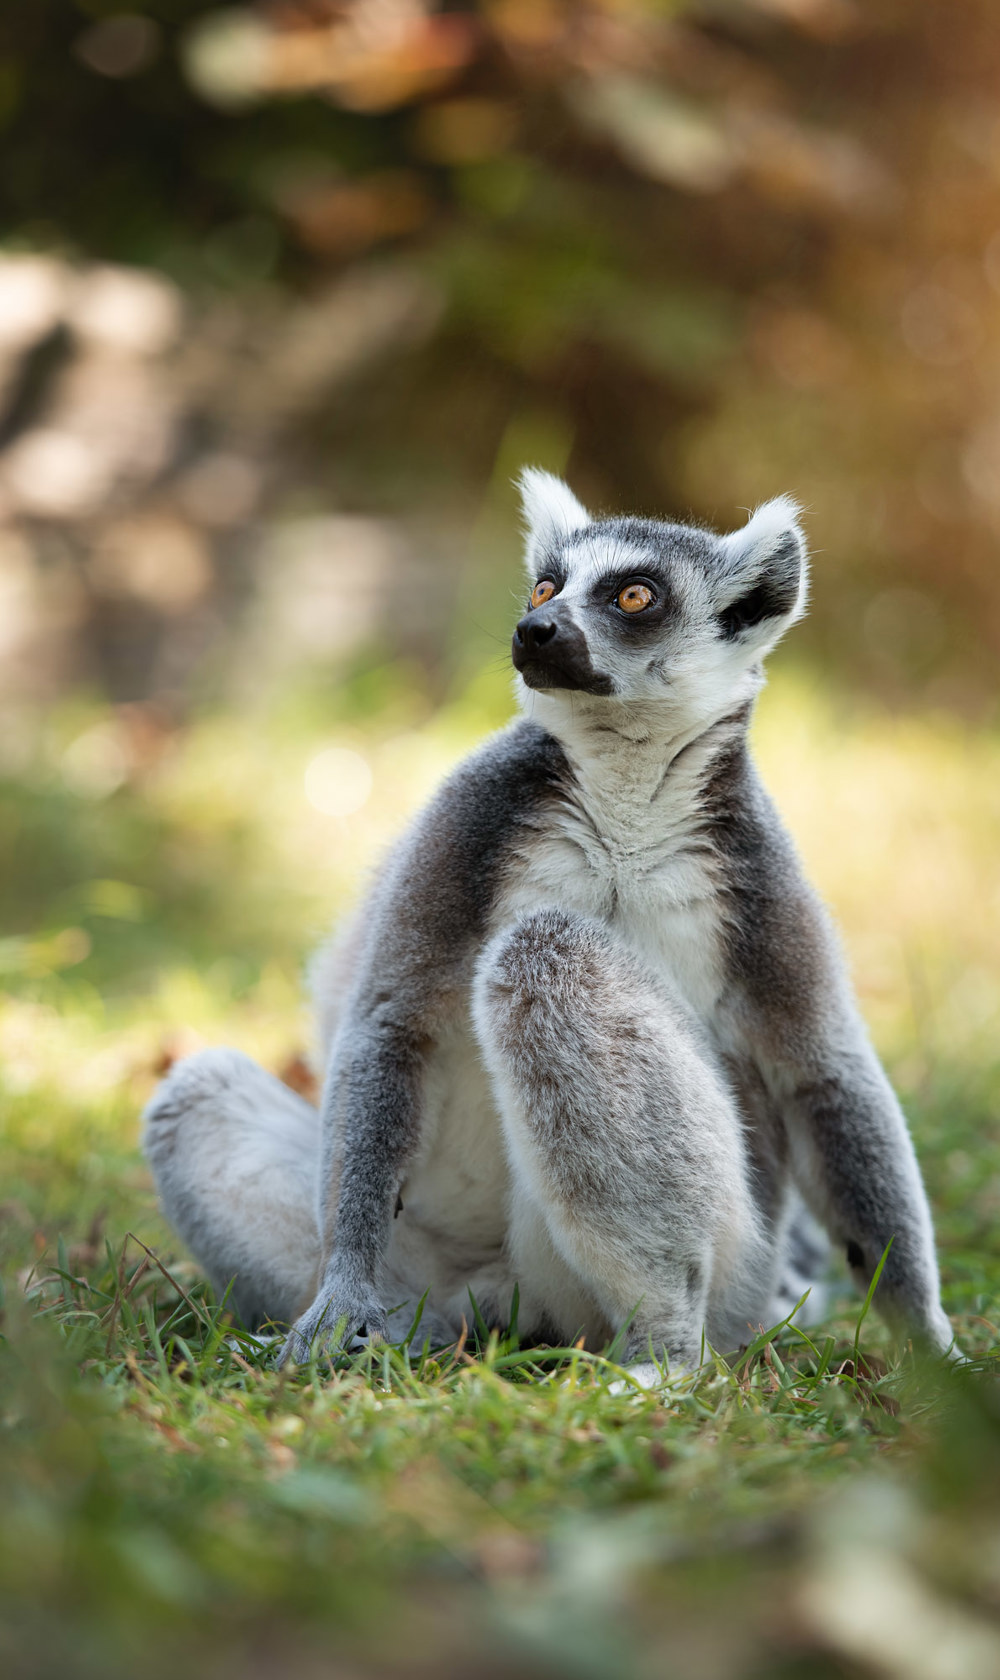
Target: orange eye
{"x": 635, "y": 597}
{"x": 542, "y": 592}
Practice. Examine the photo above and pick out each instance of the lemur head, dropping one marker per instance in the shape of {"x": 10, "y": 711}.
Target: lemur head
{"x": 639, "y": 611}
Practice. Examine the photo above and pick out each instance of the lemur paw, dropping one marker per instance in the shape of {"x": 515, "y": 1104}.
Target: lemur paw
{"x": 644, "y": 1375}
{"x": 336, "y": 1322}
{"x": 647, "y": 1375}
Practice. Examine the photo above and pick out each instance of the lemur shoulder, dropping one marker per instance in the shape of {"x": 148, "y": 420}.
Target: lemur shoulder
{"x": 591, "y": 1033}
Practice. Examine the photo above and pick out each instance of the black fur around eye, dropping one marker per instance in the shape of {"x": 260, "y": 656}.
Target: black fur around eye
{"x": 630, "y": 596}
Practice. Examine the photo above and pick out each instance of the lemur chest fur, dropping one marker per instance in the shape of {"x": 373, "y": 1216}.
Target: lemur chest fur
{"x": 639, "y": 864}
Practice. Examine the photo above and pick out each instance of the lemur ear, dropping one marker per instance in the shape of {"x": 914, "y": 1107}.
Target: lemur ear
{"x": 763, "y": 578}
{"x": 551, "y": 511}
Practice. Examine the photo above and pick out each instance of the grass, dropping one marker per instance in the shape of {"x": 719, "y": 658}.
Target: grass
{"x": 818, "y": 1507}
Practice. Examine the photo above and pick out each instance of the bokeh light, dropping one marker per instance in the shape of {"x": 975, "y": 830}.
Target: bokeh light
{"x": 338, "y": 782}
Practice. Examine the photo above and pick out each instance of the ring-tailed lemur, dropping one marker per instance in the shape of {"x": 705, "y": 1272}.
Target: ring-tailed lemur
{"x": 591, "y": 1033}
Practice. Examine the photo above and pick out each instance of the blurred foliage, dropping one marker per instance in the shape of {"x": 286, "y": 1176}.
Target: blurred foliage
{"x": 693, "y": 253}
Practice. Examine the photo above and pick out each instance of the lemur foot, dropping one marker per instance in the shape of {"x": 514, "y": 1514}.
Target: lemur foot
{"x": 647, "y": 1375}
{"x": 338, "y": 1321}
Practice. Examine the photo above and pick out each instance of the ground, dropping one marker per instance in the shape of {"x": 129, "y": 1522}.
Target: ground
{"x": 819, "y": 1507}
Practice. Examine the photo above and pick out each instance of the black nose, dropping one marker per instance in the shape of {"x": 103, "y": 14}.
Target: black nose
{"x": 533, "y": 632}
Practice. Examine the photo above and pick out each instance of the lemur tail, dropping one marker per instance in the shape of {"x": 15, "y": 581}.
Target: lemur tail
{"x": 235, "y": 1156}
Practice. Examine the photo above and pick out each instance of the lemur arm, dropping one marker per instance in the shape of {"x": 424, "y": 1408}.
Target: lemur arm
{"x": 850, "y": 1148}
{"x": 854, "y": 1162}
{"x": 425, "y": 921}
{"x": 371, "y": 1126}
{"x": 795, "y": 1016}
{"x": 404, "y": 983}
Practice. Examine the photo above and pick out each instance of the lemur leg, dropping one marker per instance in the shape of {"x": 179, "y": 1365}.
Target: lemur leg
{"x": 623, "y": 1137}
{"x": 235, "y": 1156}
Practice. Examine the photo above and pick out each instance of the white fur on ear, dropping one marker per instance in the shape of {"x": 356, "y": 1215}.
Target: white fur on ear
{"x": 769, "y": 552}
{"x": 551, "y": 511}
{"x": 765, "y": 529}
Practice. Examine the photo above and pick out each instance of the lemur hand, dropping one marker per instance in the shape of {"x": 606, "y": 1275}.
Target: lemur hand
{"x": 339, "y": 1313}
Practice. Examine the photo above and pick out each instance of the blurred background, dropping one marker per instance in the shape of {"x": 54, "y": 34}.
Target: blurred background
{"x": 288, "y": 294}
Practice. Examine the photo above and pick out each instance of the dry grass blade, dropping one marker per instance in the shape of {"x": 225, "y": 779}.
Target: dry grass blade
{"x": 192, "y": 1305}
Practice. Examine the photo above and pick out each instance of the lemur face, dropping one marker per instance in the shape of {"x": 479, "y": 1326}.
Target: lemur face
{"x": 633, "y": 609}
